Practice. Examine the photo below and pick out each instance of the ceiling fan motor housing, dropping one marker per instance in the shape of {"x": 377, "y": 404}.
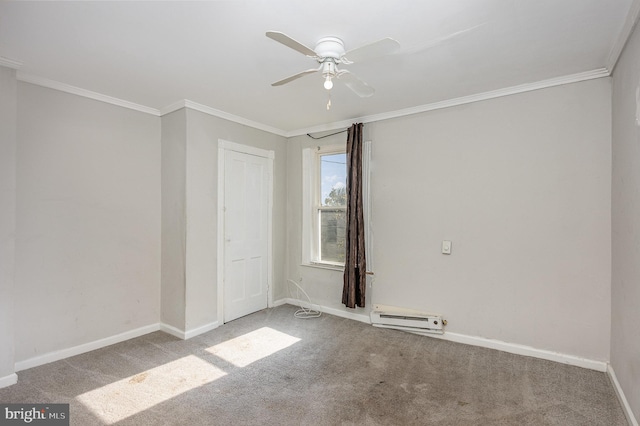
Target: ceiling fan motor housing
{"x": 330, "y": 47}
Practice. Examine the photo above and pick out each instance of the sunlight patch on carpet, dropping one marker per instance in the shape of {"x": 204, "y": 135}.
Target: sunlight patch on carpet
{"x": 251, "y": 347}
{"x": 131, "y": 395}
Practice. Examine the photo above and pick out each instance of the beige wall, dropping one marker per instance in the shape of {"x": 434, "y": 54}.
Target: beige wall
{"x": 625, "y": 303}
{"x": 190, "y": 213}
{"x": 8, "y": 122}
{"x": 522, "y": 186}
{"x": 88, "y": 227}
{"x": 174, "y": 163}
{"x": 204, "y": 131}
{"x": 324, "y": 286}
{"x": 96, "y": 240}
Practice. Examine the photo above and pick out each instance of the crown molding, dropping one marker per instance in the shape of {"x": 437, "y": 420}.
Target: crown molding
{"x": 10, "y": 63}
{"x": 528, "y": 87}
{"x": 172, "y": 107}
{"x": 185, "y": 103}
{"x": 63, "y": 87}
{"x": 623, "y": 36}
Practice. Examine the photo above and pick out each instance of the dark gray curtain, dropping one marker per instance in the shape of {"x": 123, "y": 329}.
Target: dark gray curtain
{"x": 355, "y": 265}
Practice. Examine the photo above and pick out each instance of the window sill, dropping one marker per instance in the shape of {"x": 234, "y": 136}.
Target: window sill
{"x": 337, "y": 268}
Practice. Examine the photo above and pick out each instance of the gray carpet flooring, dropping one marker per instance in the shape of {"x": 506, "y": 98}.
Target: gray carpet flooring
{"x": 269, "y": 368}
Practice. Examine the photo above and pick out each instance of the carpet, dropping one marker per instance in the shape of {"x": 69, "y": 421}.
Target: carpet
{"x": 269, "y": 368}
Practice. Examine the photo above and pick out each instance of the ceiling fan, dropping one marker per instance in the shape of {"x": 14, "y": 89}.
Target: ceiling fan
{"x": 330, "y": 52}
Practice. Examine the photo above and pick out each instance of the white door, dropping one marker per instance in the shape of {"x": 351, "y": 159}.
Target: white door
{"x": 246, "y": 203}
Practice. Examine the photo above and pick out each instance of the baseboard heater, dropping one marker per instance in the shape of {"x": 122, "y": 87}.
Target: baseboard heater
{"x": 407, "y": 320}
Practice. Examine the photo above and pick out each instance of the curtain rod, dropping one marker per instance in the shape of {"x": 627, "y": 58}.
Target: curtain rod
{"x": 326, "y": 136}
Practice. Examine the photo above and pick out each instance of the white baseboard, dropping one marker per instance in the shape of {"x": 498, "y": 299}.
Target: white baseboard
{"x": 188, "y": 334}
{"x": 517, "y": 349}
{"x": 101, "y": 343}
{"x": 454, "y": 337}
{"x": 85, "y": 347}
{"x": 9, "y": 380}
{"x": 280, "y": 302}
{"x": 176, "y": 332}
{"x": 202, "y": 329}
{"x": 332, "y": 311}
{"x": 473, "y": 340}
{"x": 621, "y": 397}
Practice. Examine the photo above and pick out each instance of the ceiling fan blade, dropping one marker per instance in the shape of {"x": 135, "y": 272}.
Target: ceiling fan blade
{"x": 294, "y": 77}
{"x": 376, "y": 49}
{"x": 358, "y": 86}
{"x": 291, "y": 43}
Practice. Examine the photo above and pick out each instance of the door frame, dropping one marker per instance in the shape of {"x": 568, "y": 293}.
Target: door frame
{"x": 223, "y": 147}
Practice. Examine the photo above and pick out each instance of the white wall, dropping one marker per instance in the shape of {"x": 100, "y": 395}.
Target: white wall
{"x": 88, "y": 221}
{"x": 625, "y": 303}
{"x": 521, "y": 185}
{"x": 8, "y": 111}
{"x": 174, "y": 163}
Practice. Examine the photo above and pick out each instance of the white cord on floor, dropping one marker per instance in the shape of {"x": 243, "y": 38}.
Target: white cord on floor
{"x": 303, "y": 312}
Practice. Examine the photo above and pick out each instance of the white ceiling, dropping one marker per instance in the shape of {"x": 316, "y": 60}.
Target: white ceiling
{"x": 216, "y": 53}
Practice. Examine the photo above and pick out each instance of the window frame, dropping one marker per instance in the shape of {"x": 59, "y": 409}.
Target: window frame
{"x": 318, "y": 208}
{"x": 311, "y": 193}
{"x": 312, "y": 205}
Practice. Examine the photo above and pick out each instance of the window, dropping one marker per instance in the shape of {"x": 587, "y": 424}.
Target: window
{"x": 324, "y": 208}
{"x": 331, "y": 207}
{"x": 324, "y": 172}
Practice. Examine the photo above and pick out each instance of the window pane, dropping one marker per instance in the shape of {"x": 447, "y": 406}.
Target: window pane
{"x": 332, "y": 236}
{"x": 333, "y": 180}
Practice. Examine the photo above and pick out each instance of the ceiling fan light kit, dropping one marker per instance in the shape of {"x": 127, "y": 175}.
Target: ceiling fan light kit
{"x": 329, "y": 53}
{"x": 328, "y": 84}
{"x": 328, "y": 72}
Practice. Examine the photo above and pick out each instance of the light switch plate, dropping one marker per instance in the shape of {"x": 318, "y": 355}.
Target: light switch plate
{"x": 446, "y": 247}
